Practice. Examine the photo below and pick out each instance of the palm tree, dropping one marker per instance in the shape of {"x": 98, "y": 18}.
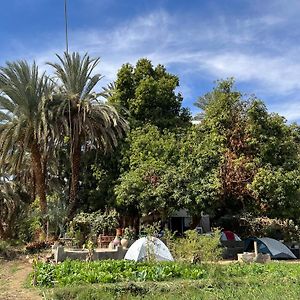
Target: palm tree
{"x": 22, "y": 123}
{"x": 88, "y": 122}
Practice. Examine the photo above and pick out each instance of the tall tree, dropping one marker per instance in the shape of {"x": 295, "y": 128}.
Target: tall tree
{"x": 88, "y": 122}
{"x": 149, "y": 95}
{"x": 252, "y": 155}
{"x": 23, "y": 128}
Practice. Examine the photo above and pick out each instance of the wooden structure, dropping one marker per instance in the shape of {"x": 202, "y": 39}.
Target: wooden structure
{"x": 104, "y": 240}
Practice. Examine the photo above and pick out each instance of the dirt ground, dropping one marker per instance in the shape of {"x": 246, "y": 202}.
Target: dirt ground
{"x": 13, "y": 276}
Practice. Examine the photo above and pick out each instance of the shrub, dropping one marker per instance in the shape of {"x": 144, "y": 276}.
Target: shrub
{"x": 34, "y": 247}
{"x": 276, "y": 228}
{"x": 197, "y": 248}
{"x": 89, "y": 225}
{"x": 150, "y": 229}
{"x": 5, "y": 249}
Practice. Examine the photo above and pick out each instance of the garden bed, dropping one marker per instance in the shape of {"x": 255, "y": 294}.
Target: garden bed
{"x": 111, "y": 271}
{"x": 74, "y": 280}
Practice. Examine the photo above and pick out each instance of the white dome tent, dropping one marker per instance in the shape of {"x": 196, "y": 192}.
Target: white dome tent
{"x": 145, "y": 248}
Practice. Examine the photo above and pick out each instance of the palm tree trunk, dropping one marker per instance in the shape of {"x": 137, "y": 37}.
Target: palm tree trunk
{"x": 39, "y": 176}
{"x": 75, "y": 169}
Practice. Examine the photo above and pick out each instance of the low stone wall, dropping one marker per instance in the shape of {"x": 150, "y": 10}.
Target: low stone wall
{"x": 61, "y": 254}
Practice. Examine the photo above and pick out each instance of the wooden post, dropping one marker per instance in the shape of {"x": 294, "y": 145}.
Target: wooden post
{"x": 255, "y": 248}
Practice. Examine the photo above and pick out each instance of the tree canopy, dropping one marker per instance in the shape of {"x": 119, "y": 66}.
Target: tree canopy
{"x": 255, "y": 151}
{"x": 148, "y": 95}
{"x": 23, "y": 127}
{"x": 88, "y": 122}
{"x": 62, "y": 147}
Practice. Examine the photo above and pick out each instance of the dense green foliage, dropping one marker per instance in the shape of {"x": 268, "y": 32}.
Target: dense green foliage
{"x": 194, "y": 247}
{"x": 234, "y": 281}
{"x": 239, "y": 159}
{"x": 148, "y": 95}
{"x": 146, "y": 185}
{"x": 246, "y": 158}
{"x": 87, "y": 226}
{"x": 76, "y": 272}
{"x": 57, "y": 139}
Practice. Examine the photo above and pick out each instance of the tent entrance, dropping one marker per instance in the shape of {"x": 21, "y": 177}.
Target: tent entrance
{"x": 177, "y": 224}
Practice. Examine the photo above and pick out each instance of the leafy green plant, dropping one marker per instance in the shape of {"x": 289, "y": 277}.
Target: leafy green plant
{"x": 150, "y": 229}
{"x": 104, "y": 222}
{"x": 281, "y": 229}
{"x": 123, "y": 273}
{"x": 128, "y": 234}
{"x": 197, "y": 248}
{"x": 86, "y": 226}
{"x": 6, "y": 250}
{"x": 79, "y": 272}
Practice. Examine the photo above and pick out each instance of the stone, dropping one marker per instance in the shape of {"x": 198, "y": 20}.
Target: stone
{"x": 262, "y": 258}
{"x": 246, "y": 257}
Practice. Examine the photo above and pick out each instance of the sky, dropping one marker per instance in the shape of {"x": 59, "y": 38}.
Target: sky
{"x": 256, "y": 42}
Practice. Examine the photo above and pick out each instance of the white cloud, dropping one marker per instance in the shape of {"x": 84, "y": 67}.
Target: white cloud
{"x": 276, "y": 74}
{"x": 220, "y": 48}
{"x": 289, "y": 109}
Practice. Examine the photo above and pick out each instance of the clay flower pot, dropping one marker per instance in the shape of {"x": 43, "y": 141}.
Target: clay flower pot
{"x": 118, "y": 231}
{"x": 124, "y": 243}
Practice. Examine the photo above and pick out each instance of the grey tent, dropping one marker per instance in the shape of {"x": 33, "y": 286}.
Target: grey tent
{"x": 265, "y": 245}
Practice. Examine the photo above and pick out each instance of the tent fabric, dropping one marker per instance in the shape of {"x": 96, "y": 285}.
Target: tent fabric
{"x": 275, "y": 248}
{"x": 143, "y": 247}
{"x": 229, "y": 236}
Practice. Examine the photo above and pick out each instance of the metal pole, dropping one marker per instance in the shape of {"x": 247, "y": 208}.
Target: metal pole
{"x": 66, "y": 27}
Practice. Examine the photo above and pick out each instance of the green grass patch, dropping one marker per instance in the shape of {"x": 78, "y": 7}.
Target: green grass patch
{"x": 177, "y": 289}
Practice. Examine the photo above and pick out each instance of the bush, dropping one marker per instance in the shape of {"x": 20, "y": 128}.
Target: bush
{"x": 276, "y": 228}
{"x": 34, "y": 247}
{"x": 86, "y": 226}
{"x": 197, "y": 248}
{"x": 5, "y": 249}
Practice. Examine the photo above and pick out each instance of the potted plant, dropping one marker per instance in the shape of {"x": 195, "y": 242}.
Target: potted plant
{"x": 103, "y": 226}
{"x": 119, "y": 231}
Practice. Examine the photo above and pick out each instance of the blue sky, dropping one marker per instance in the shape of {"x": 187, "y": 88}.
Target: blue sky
{"x": 257, "y": 42}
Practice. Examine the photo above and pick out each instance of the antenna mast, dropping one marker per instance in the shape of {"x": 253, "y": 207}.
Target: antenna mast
{"x": 66, "y": 27}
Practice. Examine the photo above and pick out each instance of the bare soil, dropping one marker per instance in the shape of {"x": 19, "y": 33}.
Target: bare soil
{"x": 13, "y": 277}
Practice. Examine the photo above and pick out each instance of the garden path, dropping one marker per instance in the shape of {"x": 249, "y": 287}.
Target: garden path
{"x": 13, "y": 276}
